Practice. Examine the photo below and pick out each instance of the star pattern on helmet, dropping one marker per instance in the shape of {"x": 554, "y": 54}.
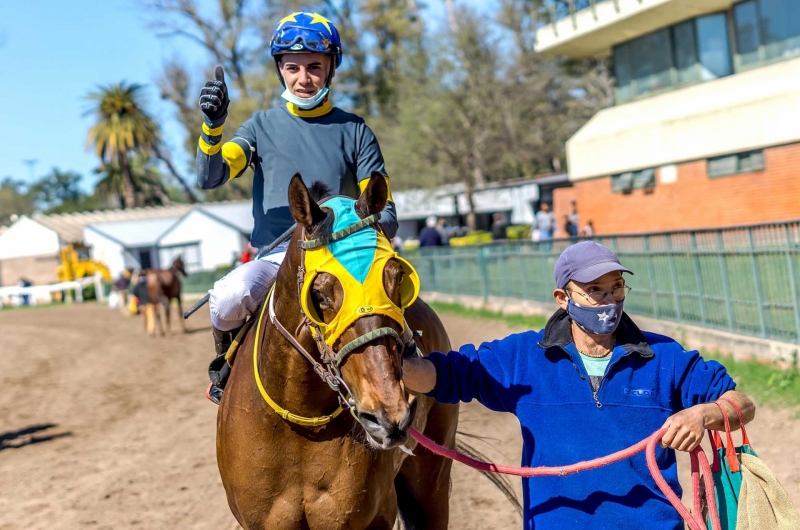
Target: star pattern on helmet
{"x": 316, "y": 18}
{"x": 289, "y": 18}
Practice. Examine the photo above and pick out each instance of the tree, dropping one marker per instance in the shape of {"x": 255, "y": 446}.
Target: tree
{"x": 14, "y": 200}
{"x": 60, "y": 192}
{"x": 464, "y": 100}
{"x": 123, "y": 128}
{"x": 235, "y": 34}
{"x": 146, "y": 177}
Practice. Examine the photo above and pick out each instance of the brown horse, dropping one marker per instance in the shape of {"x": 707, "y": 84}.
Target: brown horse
{"x": 351, "y": 472}
{"x": 163, "y": 286}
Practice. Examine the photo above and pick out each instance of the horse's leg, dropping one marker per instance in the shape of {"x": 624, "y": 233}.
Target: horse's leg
{"x": 180, "y": 314}
{"x": 423, "y": 484}
{"x": 165, "y": 303}
{"x": 150, "y": 314}
{"x": 157, "y": 316}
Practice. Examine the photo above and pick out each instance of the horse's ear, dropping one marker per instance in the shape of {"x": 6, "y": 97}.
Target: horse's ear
{"x": 373, "y": 199}
{"x": 304, "y": 209}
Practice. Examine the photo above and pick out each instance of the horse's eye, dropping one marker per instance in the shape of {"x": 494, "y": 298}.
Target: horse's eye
{"x": 319, "y": 298}
{"x": 400, "y": 277}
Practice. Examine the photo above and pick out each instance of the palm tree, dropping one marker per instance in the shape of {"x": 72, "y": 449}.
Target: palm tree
{"x": 123, "y": 128}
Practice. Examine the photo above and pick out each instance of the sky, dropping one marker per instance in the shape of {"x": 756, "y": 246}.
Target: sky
{"x": 53, "y": 53}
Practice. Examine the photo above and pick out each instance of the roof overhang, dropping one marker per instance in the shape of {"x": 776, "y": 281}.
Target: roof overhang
{"x": 593, "y": 31}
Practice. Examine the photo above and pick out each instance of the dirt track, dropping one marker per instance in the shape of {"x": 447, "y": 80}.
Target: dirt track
{"x": 101, "y": 428}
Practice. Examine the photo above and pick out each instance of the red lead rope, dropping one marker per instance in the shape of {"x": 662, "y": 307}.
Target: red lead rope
{"x": 698, "y": 458}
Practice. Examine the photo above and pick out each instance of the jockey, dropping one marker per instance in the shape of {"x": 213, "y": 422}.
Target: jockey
{"x": 306, "y": 135}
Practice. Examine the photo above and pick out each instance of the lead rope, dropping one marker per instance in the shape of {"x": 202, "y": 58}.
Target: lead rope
{"x": 699, "y": 461}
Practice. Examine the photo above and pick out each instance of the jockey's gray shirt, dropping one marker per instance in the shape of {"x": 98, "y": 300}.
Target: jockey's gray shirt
{"x": 324, "y": 144}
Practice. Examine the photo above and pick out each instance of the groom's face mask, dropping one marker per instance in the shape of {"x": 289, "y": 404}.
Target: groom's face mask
{"x": 597, "y": 308}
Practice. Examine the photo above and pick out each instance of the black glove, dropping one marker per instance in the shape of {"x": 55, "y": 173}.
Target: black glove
{"x": 214, "y": 97}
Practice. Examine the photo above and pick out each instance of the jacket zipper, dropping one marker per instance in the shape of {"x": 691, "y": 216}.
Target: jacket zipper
{"x": 589, "y": 381}
{"x": 595, "y": 393}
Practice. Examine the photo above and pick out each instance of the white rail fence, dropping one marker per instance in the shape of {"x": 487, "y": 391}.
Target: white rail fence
{"x": 37, "y": 294}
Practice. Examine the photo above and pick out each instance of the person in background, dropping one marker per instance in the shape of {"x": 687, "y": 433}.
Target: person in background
{"x": 573, "y": 217}
{"x": 25, "y": 298}
{"x": 441, "y": 226}
{"x": 536, "y": 234}
{"x": 121, "y": 285}
{"x": 248, "y": 253}
{"x": 588, "y": 230}
{"x": 397, "y": 243}
{"x": 590, "y": 384}
{"x": 545, "y": 222}
{"x": 429, "y": 236}
{"x": 569, "y": 228}
{"x": 498, "y": 227}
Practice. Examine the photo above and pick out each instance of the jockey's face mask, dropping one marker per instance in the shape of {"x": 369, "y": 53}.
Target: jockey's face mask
{"x": 357, "y": 260}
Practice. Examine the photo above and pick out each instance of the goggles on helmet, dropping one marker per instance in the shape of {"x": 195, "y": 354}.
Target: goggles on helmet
{"x": 299, "y": 40}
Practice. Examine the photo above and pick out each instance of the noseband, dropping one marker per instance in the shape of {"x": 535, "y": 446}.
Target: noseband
{"x": 328, "y": 367}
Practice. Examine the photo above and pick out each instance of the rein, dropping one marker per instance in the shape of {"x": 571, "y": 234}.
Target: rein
{"x": 698, "y": 459}
{"x": 318, "y": 368}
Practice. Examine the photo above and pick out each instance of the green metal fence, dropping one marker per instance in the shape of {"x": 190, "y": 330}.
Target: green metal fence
{"x": 743, "y": 279}
{"x": 202, "y": 281}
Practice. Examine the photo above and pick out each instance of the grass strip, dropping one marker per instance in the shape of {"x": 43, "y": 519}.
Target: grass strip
{"x": 766, "y": 383}
{"x": 530, "y": 322}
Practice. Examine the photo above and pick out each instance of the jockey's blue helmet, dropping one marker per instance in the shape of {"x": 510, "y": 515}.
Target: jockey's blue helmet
{"x": 303, "y": 32}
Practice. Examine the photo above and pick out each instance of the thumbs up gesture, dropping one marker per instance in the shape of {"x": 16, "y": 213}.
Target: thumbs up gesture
{"x": 214, "y": 97}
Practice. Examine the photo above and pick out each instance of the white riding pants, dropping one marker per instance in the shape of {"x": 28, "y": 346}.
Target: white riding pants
{"x": 238, "y": 294}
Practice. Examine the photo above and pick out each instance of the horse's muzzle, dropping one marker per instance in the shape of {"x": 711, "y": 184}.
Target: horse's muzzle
{"x": 386, "y": 433}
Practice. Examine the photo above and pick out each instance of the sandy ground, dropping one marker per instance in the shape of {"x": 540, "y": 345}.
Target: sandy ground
{"x": 101, "y": 428}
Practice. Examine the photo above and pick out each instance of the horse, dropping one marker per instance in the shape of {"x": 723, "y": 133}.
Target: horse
{"x": 352, "y": 471}
{"x": 163, "y": 286}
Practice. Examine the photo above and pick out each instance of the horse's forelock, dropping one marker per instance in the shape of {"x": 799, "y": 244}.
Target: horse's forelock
{"x": 319, "y": 190}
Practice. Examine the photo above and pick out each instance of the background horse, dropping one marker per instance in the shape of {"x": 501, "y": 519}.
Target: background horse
{"x": 347, "y": 474}
{"x": 163, "y": 286}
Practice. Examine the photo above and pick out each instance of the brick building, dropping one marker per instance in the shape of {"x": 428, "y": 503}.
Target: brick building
{"x": 705, "y": 130}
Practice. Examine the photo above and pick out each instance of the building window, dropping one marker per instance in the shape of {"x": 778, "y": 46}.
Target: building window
{"x": 650, "y": 57}
{"x": 713, "y": 47}
{"x": 748, "y": 35}
{"x": 734, "y": 164}
{"x": 766, "y": 30}
{"x": 685, "y": 52}
{"x": 643, "y": 179}
{"x": 780, "y": 22}
{"x": 692, "y": 51}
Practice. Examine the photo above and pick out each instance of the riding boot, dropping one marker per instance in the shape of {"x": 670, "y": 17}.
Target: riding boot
{"x": 219, "y": 369}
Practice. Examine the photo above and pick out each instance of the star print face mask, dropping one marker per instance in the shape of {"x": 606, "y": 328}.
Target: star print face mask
{"x": 600, "y": 319}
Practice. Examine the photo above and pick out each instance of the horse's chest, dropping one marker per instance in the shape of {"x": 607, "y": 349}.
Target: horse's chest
{"x": 348, "y": 492}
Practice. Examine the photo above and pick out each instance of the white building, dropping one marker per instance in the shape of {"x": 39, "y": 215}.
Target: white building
{"x": 29, "y": 246}
{"x": 128, "y": 244}
{"x": 209, "y": 236}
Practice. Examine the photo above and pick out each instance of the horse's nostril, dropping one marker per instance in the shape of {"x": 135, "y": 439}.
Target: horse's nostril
{"x": 369, "y": 418}
{"x": 409, "y": 418}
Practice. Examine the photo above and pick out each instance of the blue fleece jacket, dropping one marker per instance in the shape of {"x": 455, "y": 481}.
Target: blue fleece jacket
{"x": 567, "y": 418}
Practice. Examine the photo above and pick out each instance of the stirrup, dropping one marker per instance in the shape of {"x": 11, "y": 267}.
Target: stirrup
{"x": 214, "y": 393}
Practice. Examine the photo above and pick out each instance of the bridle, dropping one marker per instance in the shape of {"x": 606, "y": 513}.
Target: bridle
{"x": 328, "y": 367}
